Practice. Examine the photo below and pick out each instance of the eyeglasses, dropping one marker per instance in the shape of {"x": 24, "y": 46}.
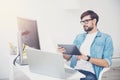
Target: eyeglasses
{"x": 85, "y": 21}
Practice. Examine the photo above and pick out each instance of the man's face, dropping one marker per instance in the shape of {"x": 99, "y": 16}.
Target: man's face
{"x": 87, "y": 23}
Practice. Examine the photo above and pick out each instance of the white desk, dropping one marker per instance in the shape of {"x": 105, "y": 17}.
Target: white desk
{"x": 23, "y": 73}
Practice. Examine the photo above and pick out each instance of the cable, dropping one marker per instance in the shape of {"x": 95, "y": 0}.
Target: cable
{"x": 15, "y": 59}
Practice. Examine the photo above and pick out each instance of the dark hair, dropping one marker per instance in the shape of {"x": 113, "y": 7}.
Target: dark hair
{"x": 92, "y": 14}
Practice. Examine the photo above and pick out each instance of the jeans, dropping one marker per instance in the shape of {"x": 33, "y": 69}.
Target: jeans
{"x": 89, "y": 75}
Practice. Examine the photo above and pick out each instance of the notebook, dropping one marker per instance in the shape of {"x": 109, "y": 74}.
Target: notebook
{"x": 50, "y": 64}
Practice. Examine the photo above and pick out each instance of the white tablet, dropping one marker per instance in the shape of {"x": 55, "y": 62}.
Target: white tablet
{"x": 70, "y": 49}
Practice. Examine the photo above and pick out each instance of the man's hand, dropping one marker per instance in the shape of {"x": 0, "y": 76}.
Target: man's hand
{"x": 96, "y": 61}
{"x": 82, "y": 56}
{"x": 61, "y": 49}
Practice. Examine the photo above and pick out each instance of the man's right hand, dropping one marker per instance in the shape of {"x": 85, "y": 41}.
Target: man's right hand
{"x": 61, "y": 50}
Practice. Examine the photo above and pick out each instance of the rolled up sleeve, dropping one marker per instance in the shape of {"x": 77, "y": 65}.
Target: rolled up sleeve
{"x": 108, "y": 52}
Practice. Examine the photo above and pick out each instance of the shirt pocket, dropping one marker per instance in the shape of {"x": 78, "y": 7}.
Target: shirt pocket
{"x": 99, "y": 50}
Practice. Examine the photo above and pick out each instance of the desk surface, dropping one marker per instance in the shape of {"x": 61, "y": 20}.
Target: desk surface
{"x": 34, "y": 76}
{"x": 19, "y": 72}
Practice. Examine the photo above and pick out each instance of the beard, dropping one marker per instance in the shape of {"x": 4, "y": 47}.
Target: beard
{"x": 88, "y": 28}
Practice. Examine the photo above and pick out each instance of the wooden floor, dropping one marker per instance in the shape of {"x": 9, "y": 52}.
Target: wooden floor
{"x": 112, "y": 74}
{"x": 4, "y": 79}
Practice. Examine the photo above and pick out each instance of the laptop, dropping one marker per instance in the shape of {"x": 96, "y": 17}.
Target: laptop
{"x": 50, "y": 64}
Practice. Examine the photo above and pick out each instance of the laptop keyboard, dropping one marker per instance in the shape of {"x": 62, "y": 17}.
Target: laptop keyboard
{"x": 69, "y": 72}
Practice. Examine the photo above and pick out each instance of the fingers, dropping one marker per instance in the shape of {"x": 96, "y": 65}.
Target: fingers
{"x": 78, "y": 57}
{"x": 83, "y": 57}
{"x": 61, "y": 49}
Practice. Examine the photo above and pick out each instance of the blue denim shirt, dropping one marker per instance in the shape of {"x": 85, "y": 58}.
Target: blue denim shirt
{"x": 102, "y": 47}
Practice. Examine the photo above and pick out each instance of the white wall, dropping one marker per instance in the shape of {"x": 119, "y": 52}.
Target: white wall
{"x": 108, "y": 12}
{"x": 58, "y": 21}
{"x": 4, "y": 58}
{"x": 7, "y": 34}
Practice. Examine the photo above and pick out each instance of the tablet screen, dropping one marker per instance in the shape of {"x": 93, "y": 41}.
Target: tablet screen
{"x": 70, "y": 49}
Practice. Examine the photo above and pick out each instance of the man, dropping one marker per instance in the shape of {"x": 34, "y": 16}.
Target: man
{"x": 96, "y": 48}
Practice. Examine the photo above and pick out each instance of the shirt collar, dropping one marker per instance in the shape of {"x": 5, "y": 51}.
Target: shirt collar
{"x": 98, "y": 34}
